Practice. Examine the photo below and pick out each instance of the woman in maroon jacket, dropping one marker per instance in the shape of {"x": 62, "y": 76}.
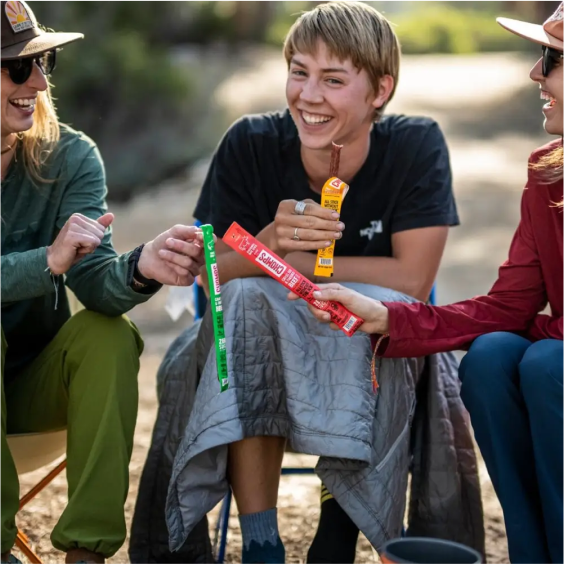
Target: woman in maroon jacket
{"x": 512, "y": 374}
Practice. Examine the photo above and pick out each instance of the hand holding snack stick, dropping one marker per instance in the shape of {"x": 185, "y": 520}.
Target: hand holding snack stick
{"x": 305, "y": 226}
{"x": 253, "y": 250}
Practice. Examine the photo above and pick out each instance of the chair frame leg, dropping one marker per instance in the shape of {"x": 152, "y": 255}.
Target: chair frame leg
{"x": 22, "y": 542}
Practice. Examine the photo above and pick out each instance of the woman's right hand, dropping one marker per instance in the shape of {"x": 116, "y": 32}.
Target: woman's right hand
{"x": 374, "y": 313}
{"x": 315, "y": 229}
{"x": 79, "y": 237}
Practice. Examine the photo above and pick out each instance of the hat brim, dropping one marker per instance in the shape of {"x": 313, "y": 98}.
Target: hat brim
{"x": 40, "y": 44}
{"x": 532, "y": 32}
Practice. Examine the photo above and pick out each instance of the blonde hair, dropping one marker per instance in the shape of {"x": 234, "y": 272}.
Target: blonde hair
{"x": 38, "y": 142}
{"x": 549, "y": 167}
{"x": 350, "y": 30}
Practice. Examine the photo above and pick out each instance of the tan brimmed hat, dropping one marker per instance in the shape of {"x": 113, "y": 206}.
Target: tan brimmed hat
{"x": 21, "y": 35}
{"x": 549, "y": 33}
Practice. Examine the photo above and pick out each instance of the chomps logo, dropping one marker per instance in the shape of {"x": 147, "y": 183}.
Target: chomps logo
{"x": 271, "y": 264}
{"x": 215, "y": 274}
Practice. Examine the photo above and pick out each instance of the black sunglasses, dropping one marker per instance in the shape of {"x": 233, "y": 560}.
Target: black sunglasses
{"x": 20, "y": 69}
{"x": 550, "y": 59}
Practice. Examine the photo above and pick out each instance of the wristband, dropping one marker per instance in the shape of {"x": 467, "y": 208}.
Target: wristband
{"x": 216, "y": 307}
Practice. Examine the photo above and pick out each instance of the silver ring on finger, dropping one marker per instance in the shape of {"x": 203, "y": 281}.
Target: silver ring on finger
{"x": 296, "y": 237}
{"x": 300, "y": 208}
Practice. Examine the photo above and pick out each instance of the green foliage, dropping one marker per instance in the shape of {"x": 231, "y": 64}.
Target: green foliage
{"x": 448, "y": 29}
{"x": 119, "y": 85}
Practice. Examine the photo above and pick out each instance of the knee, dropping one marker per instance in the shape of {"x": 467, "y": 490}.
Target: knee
{"x": 494, "y": 353}
{"x": 540, "y": 369}
{"x": 102, "y": 331}
{"x": 489, "y": 367}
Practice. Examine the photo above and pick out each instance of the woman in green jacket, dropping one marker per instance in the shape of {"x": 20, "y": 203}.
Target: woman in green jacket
{"x": 59, "y": 370}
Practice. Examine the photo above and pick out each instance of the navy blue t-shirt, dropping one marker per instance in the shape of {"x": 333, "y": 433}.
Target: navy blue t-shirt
{"x": 405, "y": 182}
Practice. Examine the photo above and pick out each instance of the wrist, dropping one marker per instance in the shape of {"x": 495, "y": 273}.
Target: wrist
{"x": 378, "y": 322}
{"x": 53, "y": 268}
{"x": 269, "y": 238}
{"x": 141, "y": 266}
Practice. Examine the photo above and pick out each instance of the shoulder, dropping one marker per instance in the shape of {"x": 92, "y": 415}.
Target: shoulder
{"x": 257, "y": 128}
{"x": 74, "y": 144}
{"x": 544, "y": 150}
{"x": 401, "y": 128}
{"x": 75, "y": 152}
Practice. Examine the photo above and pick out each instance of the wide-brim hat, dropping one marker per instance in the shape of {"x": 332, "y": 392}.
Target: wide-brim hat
{"x": 548, "y": 34}
{"x": 22, "y": 36}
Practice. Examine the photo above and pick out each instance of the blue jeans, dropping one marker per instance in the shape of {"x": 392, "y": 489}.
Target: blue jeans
{"x": 513, "y": 391}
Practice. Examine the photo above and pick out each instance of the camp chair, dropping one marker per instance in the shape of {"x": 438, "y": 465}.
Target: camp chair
{"x": 30, "y": 452}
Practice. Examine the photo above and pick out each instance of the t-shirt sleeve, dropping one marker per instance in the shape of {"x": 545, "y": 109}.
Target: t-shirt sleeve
{"x": 427, "y": 199}
{"x": 227, "y": 191}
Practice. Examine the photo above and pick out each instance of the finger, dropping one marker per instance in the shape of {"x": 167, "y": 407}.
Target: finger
{"x": 78, "y": 237}
{"x": 106, "y": 220}
{"x": 329, "y": 286}
{"x": 176, "y": 258}
{"x": 193, "y": 268}
{"x": 178, "y": 270}
{"x": 304, "y": 234}
{"x": 89, "y": 225}
{"x": 320, "y": 315}
{"x": 331, "y": 294}
{"x": 309, "y": 222}
{"x": 189, "y": 249}
{"x": 293, "y": 297}
{"x": 294, "y": 246}
{"x": 185, "y": 232}
{"x": 334, "y": 327}
{"x": 312, "y": 208}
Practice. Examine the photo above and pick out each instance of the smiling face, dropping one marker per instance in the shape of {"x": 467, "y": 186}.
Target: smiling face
{"x": 19, "y": 100}
{"x": 552, "y": 91}
{"x": 331, "y": 100}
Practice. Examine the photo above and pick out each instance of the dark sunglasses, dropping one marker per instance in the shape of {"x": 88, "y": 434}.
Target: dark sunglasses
{"x": 20, "y": 69}
{"x": 550, "y": 59}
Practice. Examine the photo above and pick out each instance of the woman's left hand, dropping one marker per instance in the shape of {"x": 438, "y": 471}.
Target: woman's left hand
{"x": 374, "y": 313}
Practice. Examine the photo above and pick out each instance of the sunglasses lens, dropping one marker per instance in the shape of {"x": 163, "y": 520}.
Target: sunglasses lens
{"x": 46, "y": 62}
{"x": 20, "y": 70}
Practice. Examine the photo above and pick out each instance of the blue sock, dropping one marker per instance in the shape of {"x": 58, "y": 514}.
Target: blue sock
{"x": 261, "y": 541}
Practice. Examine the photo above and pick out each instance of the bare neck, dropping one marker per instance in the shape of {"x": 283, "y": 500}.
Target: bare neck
{"x": 317, "y": 163}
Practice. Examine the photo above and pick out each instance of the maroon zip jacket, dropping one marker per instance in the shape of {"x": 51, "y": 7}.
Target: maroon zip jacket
{"x": 529, "y": 279}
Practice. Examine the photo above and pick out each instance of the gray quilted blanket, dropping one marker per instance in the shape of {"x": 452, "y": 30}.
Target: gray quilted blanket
{"x": 291, "y": 376}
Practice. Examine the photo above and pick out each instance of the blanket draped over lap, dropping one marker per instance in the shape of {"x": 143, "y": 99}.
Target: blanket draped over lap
{"x": 291, "y": 376}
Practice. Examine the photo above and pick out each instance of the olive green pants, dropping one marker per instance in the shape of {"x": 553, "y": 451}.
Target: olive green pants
{"x": 84, "y": 380}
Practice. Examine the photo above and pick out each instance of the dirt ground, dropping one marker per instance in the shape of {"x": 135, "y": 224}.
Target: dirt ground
{"x": 491, "y": 117}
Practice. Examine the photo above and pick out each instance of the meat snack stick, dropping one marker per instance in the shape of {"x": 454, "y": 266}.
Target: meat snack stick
{"x": 216, "y": 307}
{"x": 332, "y": 196}
{"x": 252, "y": 249}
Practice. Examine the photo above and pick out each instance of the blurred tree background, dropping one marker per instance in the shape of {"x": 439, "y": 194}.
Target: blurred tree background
{"x": 141, "y": 83}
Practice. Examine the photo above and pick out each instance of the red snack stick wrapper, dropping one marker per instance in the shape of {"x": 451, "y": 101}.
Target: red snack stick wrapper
{"x": 252, "y": 249}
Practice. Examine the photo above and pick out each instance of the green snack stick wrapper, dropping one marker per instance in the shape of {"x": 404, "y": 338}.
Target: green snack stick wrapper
{"x": 216, "y": 307}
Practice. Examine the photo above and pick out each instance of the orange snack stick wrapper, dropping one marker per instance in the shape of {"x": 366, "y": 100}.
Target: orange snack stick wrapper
{"x": 332, "y": 196}
{"x": 252, "y": 249}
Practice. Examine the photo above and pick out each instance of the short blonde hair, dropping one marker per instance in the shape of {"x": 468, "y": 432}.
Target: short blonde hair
{"x": 350, "y": 30}
{"x": 39, "y": 141}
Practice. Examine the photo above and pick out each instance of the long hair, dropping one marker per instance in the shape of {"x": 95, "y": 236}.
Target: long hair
{"x": 38, "y": 142}
{"x": 549, "y": 168}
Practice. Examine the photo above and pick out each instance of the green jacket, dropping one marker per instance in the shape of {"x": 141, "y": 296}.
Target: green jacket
{"x": 34, "y": 303}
